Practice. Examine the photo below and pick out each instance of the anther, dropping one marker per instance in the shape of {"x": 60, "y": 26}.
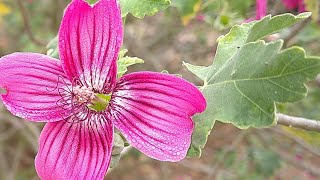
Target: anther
{"x": 83, "y": 94}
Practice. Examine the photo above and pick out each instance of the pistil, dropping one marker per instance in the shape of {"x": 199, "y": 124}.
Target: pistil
{"x": 100, "y": 102}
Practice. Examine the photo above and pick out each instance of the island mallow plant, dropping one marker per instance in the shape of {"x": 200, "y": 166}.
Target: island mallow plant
{"x": 85, "y": 94}
{"x": 81, "y": 98}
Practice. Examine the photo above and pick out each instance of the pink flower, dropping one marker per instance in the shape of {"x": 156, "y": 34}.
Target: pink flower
{"x": 261, "y": 9}
{"x": 295, "y": 4}
{"x": 201, "y": 17}
{"x": 81, "y": 100}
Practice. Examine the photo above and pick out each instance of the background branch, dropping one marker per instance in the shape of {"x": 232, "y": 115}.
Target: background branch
{"x": 298, "y": 122}
{"x": 288, "y": 40}
{"x": 27, "y": 26}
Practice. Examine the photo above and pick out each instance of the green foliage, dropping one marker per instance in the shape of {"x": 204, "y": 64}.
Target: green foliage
{"x": 251, "y": 161}
{"x": 230, "y": 159}
{"x": 124, "y": 62}
{"x": 141, "y": 8}
{"x": 187, "y": 9}
{"x": 249, "y": 76}
{"x": 240, "y": 7}
{"x": 265, "y": 161}
{"x": 92, "y": 1}
{"x": 222, "y": 14}
{"x": 243, "y": 90}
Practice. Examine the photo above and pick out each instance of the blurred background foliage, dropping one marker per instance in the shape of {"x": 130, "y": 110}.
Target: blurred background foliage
{"x": 187, "y": 31}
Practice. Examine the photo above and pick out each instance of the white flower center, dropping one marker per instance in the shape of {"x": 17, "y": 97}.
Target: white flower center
{"x": 87, "y": 96}
{"x": 83, "y": 94}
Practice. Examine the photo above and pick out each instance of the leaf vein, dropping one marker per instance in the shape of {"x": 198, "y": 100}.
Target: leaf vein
{"x": 262, "y": 110}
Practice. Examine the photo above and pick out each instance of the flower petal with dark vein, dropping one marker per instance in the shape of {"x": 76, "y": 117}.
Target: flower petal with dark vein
{"x": 81, "y": 99}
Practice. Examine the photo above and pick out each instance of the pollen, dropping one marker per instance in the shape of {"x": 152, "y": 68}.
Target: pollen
{"x": 88, "y": 96}
{"x": 83, "y": 94}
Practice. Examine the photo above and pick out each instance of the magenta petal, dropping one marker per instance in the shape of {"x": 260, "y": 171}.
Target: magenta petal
{"x": 75, "y": 151}
{"x": 261, "y": 9}
{"x": 153, "y": 112}
{"x": 291, "y": 4}
{"x": 32, "y": 82}
{"x": 302, "y": 6}
{"x": 89, "y": 42}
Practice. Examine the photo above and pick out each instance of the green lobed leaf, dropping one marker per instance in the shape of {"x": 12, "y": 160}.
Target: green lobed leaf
{"x": 245, "y": 88}
{"x": 141, "y": 8}
{"x": 249, "y": 76}
{"x": 124, "y": 62}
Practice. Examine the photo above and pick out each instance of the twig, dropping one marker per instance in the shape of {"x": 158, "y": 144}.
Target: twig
{"x": 27, "y": 26}
{"x": 295, "y": 32}
{"x": 298, "y": 122}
